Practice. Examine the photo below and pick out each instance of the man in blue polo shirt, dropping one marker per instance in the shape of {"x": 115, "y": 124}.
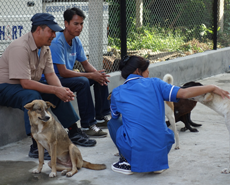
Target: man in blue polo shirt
{"x": 66, "y": 48}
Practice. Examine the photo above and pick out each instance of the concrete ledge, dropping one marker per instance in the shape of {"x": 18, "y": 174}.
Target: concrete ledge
{"x": 193, "y": 67}
{"x": 12, "y": 125}
{"x": 184, "y": 69}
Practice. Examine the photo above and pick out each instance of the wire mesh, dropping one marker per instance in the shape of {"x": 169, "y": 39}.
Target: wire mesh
{"x": 161, "y": 30}
{"x": 223, "y": 38}
{"x": 158, "y": 30}
{"x": 15, "y": 21}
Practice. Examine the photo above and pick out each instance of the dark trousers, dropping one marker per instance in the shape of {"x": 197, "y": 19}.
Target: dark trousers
{"x": 81, "y": 85}
{"x": 13, "y": 95}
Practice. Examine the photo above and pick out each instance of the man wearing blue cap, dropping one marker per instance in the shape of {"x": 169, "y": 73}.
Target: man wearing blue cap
{"x": 21, "y": 67}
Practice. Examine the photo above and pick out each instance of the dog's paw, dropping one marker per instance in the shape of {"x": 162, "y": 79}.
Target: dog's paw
{"x": 177, "y": 148}
{"x": 183, "y": 129}
{"x": 64, "y": 172}
{"x": 36, "y": 171}
{"x": 69, "y": 174}
{"x": 225, "y": 171}
{"x": 53, "y": 174}
{"x": 193, "y": 130}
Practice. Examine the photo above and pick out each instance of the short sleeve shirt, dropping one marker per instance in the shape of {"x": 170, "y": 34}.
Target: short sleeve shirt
{"x": 20, "y": 61}
{"x": 63, "y": 53}
{"x": 144, "y": 138}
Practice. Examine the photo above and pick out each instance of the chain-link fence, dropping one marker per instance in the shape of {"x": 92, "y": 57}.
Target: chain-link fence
{"x": 158, "y": 30}
{"x": 15, "y": 21}
{"x": 223, "y": 37}
{"x": 161, "y": 30}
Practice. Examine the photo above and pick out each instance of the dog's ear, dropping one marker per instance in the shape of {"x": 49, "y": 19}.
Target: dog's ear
{"x": 29, "y": 106}
{"x": 109, "y": 97}
{"x": 50, "y": 104}
{"x": 208, "y": 97}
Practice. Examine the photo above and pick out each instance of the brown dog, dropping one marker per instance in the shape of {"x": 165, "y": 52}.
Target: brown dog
{"x": 183, "y": 108}
{"x": 51, "y": 135}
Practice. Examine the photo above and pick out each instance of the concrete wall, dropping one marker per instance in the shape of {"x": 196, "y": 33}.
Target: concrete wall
{"x": 193, "y": 67}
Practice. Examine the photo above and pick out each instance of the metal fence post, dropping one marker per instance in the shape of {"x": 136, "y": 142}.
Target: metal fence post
{"x": 139, "y": 13}
{"x": 123, "y": 35}
{"x": 215, "y": 24}
{"x": 96, "y": 33}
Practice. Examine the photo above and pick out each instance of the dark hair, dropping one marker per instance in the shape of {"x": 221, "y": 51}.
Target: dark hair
{"x": 129, "y": 64}
{"x": 34, "y": 27}
{"x": 69, "y": 13}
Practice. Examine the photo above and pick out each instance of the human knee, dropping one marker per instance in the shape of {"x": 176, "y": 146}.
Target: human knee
{"x": 112, "y": 123}
{"x": 109, "y": 124}
{"x": 84, "y": 81}
{"x": 32, "y": 95}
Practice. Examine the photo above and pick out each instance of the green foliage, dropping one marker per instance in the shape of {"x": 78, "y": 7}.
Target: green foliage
{"x": 114, "y": 42}
{"x": 224, "y": 35}
{"x": 168, "y": 25}
{"x": 154, "y": 38}
{"x": 114, "y": 18}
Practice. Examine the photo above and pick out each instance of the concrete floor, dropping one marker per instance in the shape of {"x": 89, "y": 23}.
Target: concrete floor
{"x": 199, "y": 161}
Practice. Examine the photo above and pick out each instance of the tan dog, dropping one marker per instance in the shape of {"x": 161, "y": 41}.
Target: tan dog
{"x": 169, "y": 111}
{"x": 221, "y": 106}
{"x": 51, "y": 135}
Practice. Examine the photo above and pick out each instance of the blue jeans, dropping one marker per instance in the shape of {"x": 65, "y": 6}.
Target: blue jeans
{"x": 113, "y": 126}
{"x": 13, "y": 95}
{"x": 81, "y": 85}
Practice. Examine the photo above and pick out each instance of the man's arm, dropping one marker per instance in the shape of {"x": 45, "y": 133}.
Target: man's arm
{"x": 52, "y": 79}
{"x": 91, "y": 73}
{"x": 54, "y": 87}
{"x": 87, "y": 66}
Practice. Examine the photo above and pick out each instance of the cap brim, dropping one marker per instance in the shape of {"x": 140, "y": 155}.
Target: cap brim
{"x": 55, "y": 27}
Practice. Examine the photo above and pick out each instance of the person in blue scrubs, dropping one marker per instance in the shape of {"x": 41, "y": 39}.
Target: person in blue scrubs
{"x": 137, "y": 126}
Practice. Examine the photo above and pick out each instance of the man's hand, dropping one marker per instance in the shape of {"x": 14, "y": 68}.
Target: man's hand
{"x": 100, "y": 77}
{"x": 64, "y": 93}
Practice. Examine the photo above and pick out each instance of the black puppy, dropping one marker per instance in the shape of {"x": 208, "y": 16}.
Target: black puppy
{"x": 183, "y": 108}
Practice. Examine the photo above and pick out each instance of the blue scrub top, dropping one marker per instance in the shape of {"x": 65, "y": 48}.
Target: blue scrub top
{"x": 144, "y": 138}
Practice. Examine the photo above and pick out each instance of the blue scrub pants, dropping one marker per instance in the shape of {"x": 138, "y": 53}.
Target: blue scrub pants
{"x": 13, "y": 95}
{"x": 113, "y": 125}
{"x": 81, "y": 85}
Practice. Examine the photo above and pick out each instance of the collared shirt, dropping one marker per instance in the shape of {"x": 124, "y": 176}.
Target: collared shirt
{"x": 20, "y": 61}
{"x": 63, "y": 53}
{"x": 144, "y": 138}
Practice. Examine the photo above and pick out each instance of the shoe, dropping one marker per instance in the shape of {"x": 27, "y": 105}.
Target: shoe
{"x": 122, "y": 166}
{"x": 94, "y": 131}
{"x": 158, "y": 172}
{"x": 103, "y": 122}
{"x": 80, "y": 138}
{"x": 33, "y": 153}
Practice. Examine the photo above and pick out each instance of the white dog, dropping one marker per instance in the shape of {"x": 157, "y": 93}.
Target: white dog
{"x": 169, "y": 111}
{"x": 221, "y": 106}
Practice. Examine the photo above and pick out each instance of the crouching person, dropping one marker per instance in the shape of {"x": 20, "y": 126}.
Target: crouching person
{"x": 141, "y": 134}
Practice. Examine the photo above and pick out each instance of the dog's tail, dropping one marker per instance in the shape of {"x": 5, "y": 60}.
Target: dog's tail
{"x": 168, "y": 78}
{"x": 93, "y": 166}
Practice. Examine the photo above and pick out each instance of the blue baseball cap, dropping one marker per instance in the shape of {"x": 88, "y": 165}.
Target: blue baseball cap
{"x": 45, "y": 19}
